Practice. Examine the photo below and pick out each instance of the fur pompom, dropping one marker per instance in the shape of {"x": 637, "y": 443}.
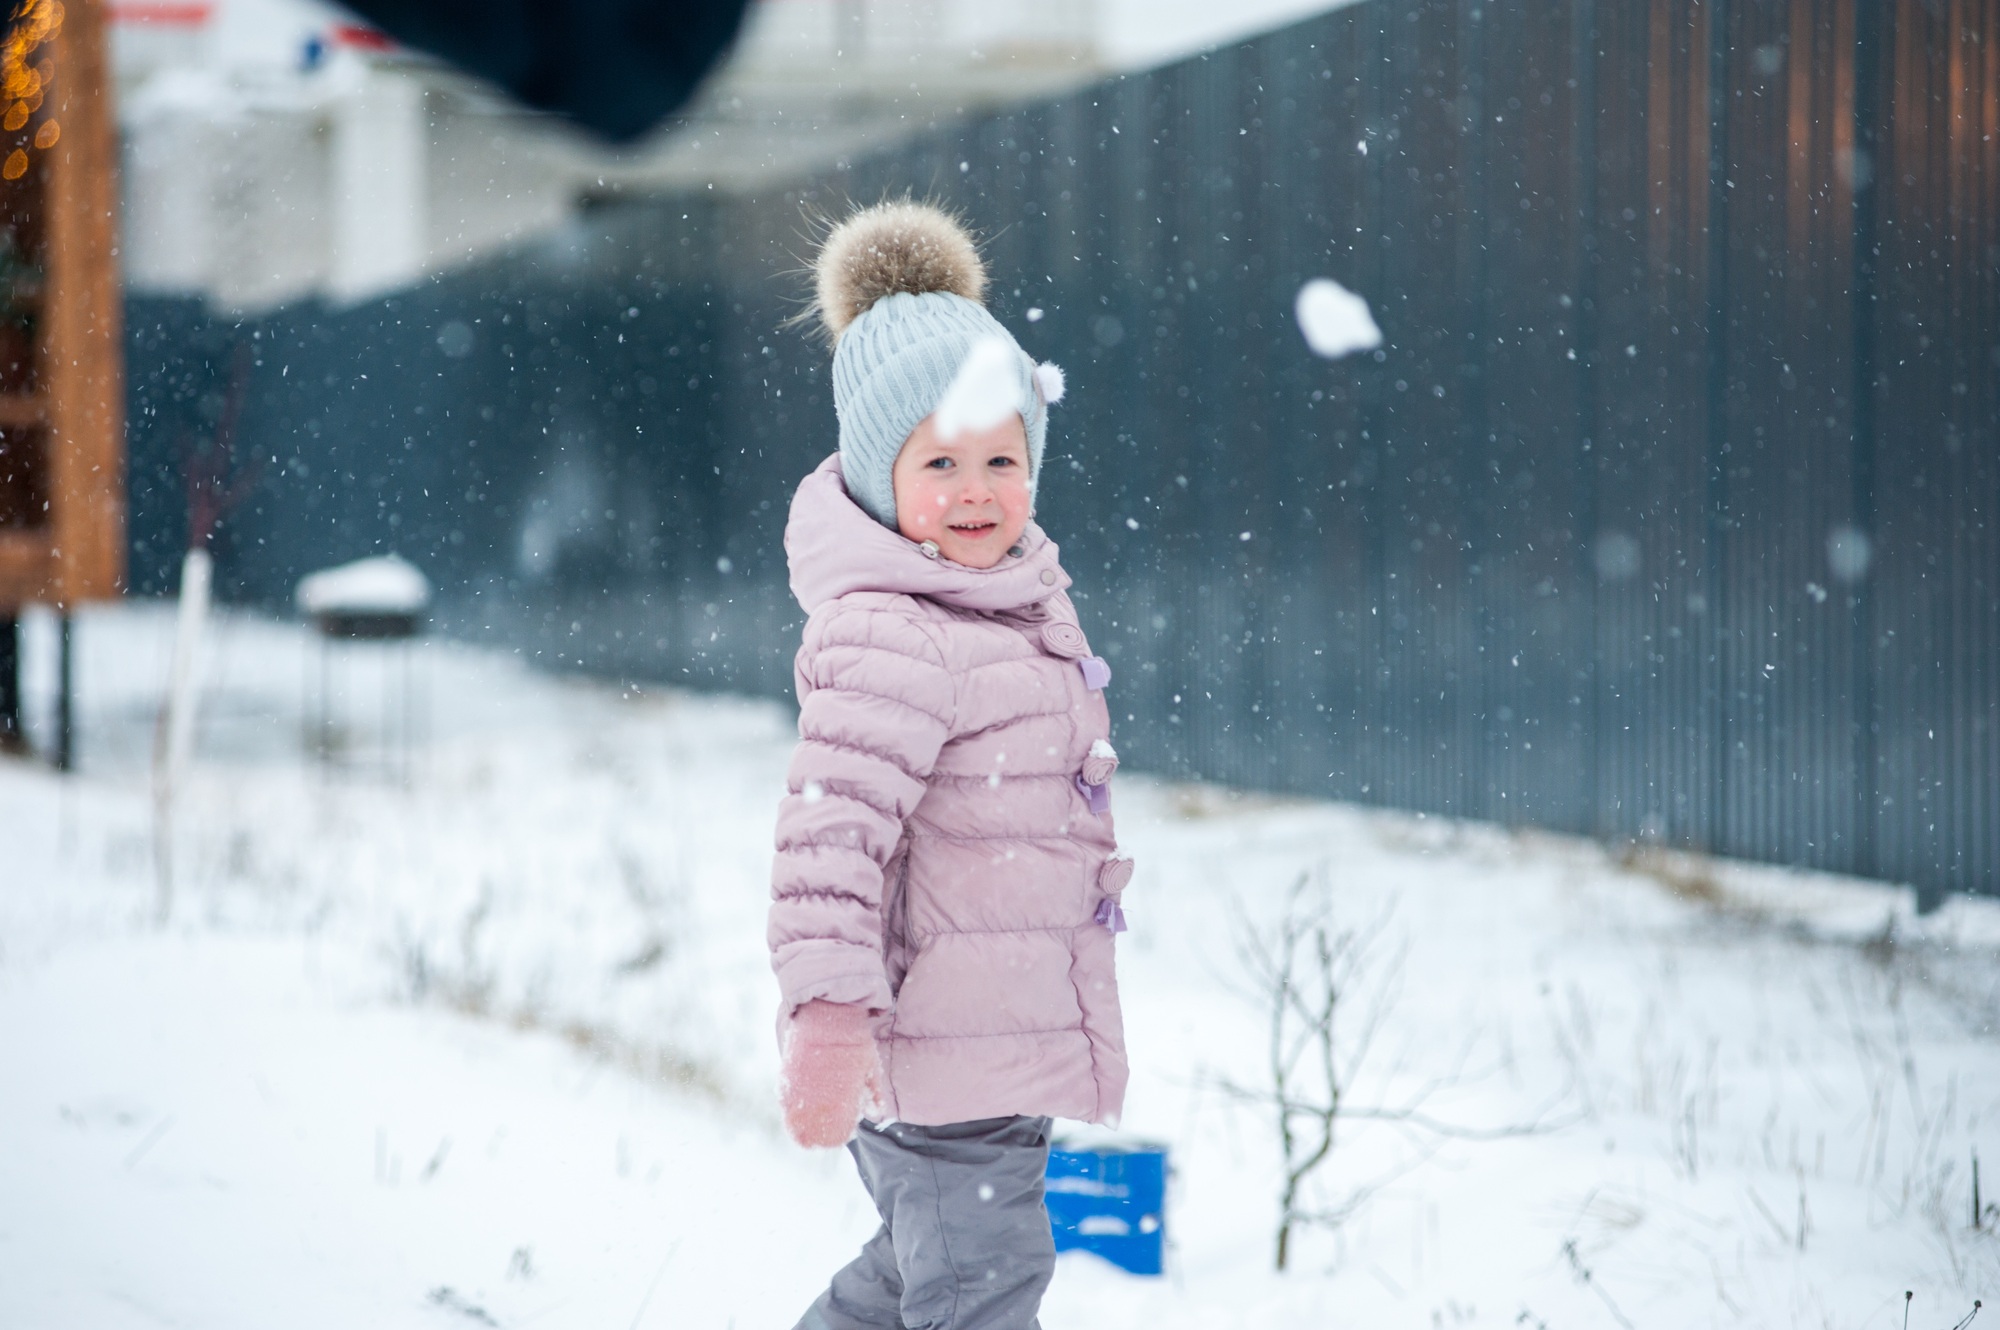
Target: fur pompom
{"x": 898, "y": 246}
{"x": 1049, "y": 378}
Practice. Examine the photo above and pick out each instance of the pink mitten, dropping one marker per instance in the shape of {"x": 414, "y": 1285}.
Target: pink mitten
{"x": 830, "y": 1068}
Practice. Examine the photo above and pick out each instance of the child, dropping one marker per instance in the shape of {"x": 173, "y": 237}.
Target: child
{"x": 946, "y": 886}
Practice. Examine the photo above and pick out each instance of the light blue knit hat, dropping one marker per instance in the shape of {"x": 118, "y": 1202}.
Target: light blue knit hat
{"x": 900, "y": 287}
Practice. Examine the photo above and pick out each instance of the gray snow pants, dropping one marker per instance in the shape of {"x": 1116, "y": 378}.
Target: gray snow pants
{"x": 964, "y": 1242}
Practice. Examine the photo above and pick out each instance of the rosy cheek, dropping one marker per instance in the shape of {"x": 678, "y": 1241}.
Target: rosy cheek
{"x": 926, "y": 513}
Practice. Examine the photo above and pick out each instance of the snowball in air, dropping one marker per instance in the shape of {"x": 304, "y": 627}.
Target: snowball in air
{"x": 1335, "y": 321}
{"x": 986, "y": 388}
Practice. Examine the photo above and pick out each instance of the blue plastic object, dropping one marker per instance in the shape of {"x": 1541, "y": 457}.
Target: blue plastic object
{"x": 1111, "y": 1200}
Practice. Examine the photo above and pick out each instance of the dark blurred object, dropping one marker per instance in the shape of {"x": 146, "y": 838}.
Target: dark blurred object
{"x": 617, "y": 67}
{"x": 12, "y": 740}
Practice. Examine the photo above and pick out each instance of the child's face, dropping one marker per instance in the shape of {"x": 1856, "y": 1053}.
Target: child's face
{"x": 969, "y": 493}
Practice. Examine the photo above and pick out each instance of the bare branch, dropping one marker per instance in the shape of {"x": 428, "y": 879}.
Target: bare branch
{"x": 1305, "y": 973}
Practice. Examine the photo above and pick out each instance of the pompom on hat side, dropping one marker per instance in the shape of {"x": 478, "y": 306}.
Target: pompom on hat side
{"x": 900, "y": 289}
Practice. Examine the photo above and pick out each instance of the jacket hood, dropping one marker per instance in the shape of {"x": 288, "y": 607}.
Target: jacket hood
{"x": 834, "y": 547}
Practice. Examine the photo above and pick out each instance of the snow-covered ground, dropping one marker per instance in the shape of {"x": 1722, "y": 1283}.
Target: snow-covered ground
{"x": 493, "y": 1046}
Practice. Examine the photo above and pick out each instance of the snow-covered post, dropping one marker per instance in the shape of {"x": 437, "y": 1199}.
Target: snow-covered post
{"x": 380, "y": 137}
{"x": 173, "y": 739}
{"x": 379, "y": 599}
{"x": 216, "y": 483}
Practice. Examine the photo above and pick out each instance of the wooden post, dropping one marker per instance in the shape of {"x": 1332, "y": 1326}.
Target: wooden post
{"x": 84, "y": 351}
{"x": 62, "y": 381}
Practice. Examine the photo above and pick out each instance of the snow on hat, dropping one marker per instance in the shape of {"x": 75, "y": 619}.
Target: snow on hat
{"x": 901, "y": 291}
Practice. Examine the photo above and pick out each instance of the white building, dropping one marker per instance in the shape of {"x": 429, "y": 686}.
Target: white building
{"x": 276, "y": 150}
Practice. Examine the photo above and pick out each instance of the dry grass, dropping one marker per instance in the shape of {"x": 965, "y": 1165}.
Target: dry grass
{"x": 1194, "y": 802}
{"x": 1691, "y": 877}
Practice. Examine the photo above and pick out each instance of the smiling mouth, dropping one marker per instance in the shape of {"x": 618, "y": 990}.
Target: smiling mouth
{"x": 975, "y": 528}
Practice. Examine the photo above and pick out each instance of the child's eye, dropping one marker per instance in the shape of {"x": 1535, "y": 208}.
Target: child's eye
{"x": 938, "y": 463}
{"x": 1001, "y": 461}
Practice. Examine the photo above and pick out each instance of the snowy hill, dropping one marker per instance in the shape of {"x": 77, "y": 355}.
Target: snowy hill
{"x": 495, "y": 1048}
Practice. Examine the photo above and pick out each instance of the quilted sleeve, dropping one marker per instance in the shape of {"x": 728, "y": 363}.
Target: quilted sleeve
{"x": 875, "y": 707}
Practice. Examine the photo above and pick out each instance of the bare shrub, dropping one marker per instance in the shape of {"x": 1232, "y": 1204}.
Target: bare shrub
{"x": 1327, "y": 992}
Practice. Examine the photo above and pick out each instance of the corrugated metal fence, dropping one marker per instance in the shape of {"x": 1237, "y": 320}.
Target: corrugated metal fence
{"x": 1668, "y": 509}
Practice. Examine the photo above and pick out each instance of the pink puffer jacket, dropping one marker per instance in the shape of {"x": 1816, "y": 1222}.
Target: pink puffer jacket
{"x": 945, "y": 854}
